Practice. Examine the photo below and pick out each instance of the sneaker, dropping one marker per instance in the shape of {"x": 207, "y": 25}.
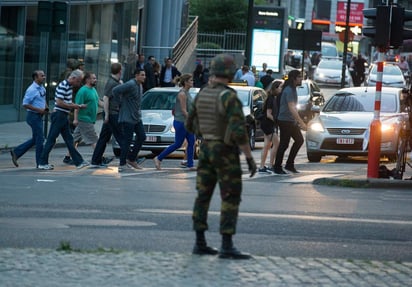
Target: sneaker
{"x": 183, "y": 163}
{"x": 265, "y": 170}
{"x": 133, "y": 164}
{"x": 125, "y": 168}
{"x": 291, "y": 168}
{"x": 107, "y": 160}
{"x": 45, "y": 166}
{"x": 190, "y": 168}
{"x": 102, "y": 165}
{"x": 279, "y": 170}
{"x": 83, "y": 164}
{"x": 67, "y": 160}
{"x": 14, "y": 158}
{"x": 157, "y": 163}
{"x": 140, "y": 160}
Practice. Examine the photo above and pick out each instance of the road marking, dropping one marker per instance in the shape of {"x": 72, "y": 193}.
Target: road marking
{"x": 40, "y": 222}
{"x": 287, "y": 216}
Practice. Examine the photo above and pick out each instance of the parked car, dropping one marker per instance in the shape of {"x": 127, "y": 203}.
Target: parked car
{"x": 342, "y": 127}
{"x": 251, "y": 98}
{"x": 157, "y": 105}
{"x": 392, "y": 76}
{"x": 329, "y": 72}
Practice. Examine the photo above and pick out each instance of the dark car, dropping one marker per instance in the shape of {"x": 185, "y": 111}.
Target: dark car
{"x": 309, "y": 95}
{"x": 251, "y": 98}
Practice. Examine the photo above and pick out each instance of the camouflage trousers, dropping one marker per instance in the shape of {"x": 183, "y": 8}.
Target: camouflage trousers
{"x": 218, "y": 163}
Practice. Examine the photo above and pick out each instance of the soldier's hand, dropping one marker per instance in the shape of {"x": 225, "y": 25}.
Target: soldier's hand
{"x": 251, "y": 165}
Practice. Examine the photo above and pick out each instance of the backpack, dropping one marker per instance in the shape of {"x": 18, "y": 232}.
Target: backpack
{"x": 260, "y": 112}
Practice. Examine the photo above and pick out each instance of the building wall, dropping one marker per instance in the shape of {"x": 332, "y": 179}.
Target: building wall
{"x": 99, "y": 32}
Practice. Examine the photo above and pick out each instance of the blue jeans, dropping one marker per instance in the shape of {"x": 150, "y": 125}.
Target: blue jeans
{"x": 34, "y": 120}
{"x": 60, "y": 125}
{"x": 112, "y": 127}
{"x": 180, "y": 135}
{"x": 126, "y": 151}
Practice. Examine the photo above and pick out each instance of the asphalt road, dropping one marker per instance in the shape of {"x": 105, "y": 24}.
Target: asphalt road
{"x": 150, "y": 210}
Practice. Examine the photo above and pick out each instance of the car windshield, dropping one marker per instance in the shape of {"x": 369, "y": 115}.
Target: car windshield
{"x": 243, "y": 96}
{"x": 159, "y": 100}
{"x": 303, "y": 90}
{"x": 388, "y": 70}
{"x": 335, "y": 65}
{"x": 347, "y": 102}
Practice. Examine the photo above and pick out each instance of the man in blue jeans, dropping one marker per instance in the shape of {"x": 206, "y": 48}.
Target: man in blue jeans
{"x": 60, "y": 121}
{"x": 34, "y": 102}
{"x": 130, "y": 120}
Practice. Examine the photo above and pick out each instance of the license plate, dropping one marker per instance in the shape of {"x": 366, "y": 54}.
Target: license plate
{"x": 151, "y": 139}
{"x": 345, "y": 141}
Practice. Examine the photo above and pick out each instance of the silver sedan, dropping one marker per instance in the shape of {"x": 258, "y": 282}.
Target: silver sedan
{"x": 342, "y": 126}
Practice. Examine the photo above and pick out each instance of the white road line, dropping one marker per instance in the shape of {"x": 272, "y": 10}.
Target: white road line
{"x": 287, "y": 216}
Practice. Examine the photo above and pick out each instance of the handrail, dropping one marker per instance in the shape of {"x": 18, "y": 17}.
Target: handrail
{"x": 185, "y": 46}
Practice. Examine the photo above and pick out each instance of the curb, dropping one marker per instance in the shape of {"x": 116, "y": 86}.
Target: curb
{"x": 365, "y": 183}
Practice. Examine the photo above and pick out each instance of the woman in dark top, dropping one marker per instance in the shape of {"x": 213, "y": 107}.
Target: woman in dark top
{"x": 269, "y": 127}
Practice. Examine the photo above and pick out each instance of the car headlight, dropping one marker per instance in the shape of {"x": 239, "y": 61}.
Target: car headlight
{"x": 172, "y": 129}
{"x": 316, "y": 127}
{"x": 386, "y": 128}
{"x": 320, "y": 75}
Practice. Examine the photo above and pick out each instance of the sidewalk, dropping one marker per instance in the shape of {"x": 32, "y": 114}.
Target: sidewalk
{"x": 30, "y": 267}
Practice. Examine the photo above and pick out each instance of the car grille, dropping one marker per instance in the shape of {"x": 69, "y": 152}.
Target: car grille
{"x": 154, "y": 128}
{"x": 332, "y": 145}
{"x": 348, "y": 131}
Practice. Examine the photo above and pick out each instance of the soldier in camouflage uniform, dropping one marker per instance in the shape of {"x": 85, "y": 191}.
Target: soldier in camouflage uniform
{"x": 217, "y": 118}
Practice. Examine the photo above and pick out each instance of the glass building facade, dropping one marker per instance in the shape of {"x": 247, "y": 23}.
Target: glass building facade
{"x": 97, "y": 33}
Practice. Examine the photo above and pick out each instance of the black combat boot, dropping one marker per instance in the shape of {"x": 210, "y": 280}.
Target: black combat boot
{"x": 228, "y": 251}
{"x": 201, "y": 247}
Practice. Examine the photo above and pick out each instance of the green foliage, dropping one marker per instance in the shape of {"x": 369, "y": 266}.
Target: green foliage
{"x": 208, "y": 45}
{"x": 220, "y": 15}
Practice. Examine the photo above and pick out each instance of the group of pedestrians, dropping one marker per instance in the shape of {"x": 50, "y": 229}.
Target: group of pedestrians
{"x": 122, "y": 118}
{"x": 223, "y": 132}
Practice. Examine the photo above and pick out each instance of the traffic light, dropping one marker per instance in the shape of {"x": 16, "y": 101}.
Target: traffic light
{"x": 380, "y": 31}
{"x": 398, "y": 30}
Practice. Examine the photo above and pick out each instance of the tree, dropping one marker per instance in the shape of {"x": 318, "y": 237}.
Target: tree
{"x": 220, "y": 15}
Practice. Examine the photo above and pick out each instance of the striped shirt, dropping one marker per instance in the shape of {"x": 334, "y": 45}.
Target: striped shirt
{"x": 63, "y": 92}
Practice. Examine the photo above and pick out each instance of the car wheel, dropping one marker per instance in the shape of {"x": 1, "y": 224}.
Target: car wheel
{"x": 116, "y": 151}
{"x": 252, "y": 137}
{"x": 314, "y": 157}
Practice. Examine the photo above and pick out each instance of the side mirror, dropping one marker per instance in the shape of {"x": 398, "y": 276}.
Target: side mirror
{"x": 315, "y": 109}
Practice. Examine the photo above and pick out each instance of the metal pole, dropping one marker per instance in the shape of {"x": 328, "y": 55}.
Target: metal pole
{"x": 345, "y": 45}
{"x": 374, "y": 150}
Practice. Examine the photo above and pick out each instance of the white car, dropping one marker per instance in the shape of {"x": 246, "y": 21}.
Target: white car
{"x": 392, "y": 76}
{"x": 342, "y": 127}
{"x": 157, "y": 117}
{"x": 329, "y": 73}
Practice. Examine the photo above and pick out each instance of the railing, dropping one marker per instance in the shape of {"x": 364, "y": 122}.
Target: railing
{"x": 185, "y": 46}
{"x": 213, "y": 43}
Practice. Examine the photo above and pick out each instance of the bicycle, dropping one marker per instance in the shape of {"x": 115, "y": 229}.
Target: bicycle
{"x": 405, "y": 143}
{"x": 402, "y": 154}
